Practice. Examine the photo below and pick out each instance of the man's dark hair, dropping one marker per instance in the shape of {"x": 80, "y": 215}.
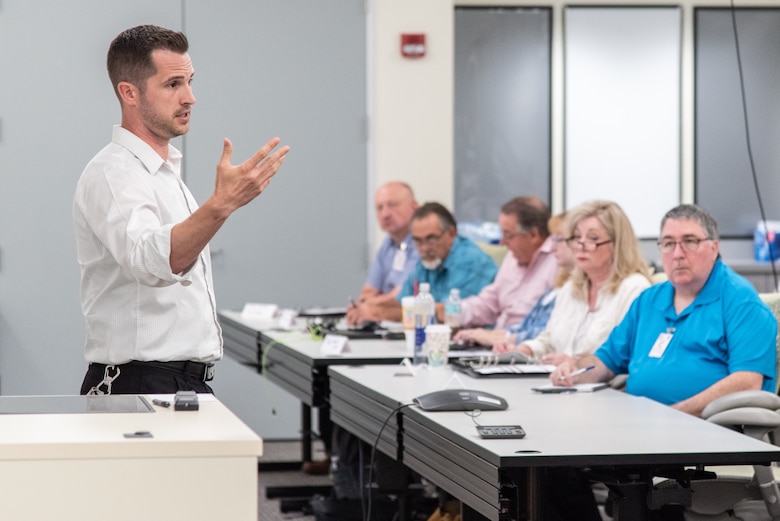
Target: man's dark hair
{"x": 530, "y": 212}
{"x": 446, "y": 220}
{"x": 130, "y": 54}
{"x": 692, "y": 212}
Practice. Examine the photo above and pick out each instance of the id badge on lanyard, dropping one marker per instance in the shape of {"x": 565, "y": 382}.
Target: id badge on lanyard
{"x": 661, "y": 343}
{"x": 399, "y": 260}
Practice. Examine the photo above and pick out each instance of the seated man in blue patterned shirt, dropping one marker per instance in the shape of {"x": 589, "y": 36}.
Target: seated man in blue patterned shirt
{"x": 447, "y": 260}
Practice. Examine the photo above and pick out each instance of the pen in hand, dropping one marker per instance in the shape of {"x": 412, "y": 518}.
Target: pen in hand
{"x": 580, "y": 371}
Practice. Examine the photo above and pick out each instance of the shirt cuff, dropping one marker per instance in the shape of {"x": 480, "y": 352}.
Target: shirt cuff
{"x": 156, "y": 265}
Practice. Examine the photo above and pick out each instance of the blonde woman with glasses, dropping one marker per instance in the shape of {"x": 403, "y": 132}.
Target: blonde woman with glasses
{"x": 609, "y": 273}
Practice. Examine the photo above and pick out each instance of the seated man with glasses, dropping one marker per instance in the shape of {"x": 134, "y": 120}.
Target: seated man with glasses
{"x": 702, "y": 334}
{"x": 447, "y": 260}
{"x": 705, "y": 332}
{"x": 527, "y": 272}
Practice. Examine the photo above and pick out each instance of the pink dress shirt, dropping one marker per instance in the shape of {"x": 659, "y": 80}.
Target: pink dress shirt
{"x": 514, "y": 291}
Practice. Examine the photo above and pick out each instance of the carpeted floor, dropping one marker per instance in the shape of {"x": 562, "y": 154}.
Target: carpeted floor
{"x": 273, "y": 451}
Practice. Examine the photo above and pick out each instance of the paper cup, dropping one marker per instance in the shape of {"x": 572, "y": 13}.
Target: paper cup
{"x": 437, "y": 344}
{"x": 407, "y": 310}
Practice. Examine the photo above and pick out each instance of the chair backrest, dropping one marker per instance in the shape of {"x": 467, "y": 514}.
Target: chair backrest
{"x": 659, "y": 277}
{"x": 496, "y": 251}
{"x": 773, "y": 301}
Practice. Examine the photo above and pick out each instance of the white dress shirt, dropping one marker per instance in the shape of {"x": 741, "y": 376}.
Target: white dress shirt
{"x": 127, "y": 201}
{"x": 574, "y": 329}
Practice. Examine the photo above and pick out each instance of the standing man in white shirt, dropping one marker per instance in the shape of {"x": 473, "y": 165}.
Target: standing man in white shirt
{"x": 142, "y": 241}
{"x": 397, "y": 256}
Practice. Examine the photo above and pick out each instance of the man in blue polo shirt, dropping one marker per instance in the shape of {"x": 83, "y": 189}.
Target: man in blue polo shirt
{"x": 704, "y": 333}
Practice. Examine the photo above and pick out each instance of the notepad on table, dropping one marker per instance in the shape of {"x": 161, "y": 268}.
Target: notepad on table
{"x": 515, "y": 369}
{"x": 580, "y": 388}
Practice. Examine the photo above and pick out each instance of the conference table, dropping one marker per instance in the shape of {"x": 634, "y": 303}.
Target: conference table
{"x": 75, "y": 457}
{"x": 623, "y": 438}
{"x": 294, "y": 360}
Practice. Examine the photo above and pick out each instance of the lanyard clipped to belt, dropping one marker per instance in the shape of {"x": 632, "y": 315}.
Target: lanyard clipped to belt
{"x": 106, "y": 381}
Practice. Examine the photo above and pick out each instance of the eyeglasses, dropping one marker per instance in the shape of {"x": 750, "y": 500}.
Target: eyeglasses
{"x": 430, "y": 240}
{"x": 508, "y": 236}
{"x": 557, "y": 239}
{"x": 586, "y": 245}
{"x": 688, "y": 244}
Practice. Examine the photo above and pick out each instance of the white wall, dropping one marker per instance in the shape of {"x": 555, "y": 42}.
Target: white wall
{"x": 411, "y": 99}
{"x": 411, "y": 144}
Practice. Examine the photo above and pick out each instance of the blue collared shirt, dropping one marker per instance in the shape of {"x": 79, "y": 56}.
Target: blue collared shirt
{"x": 727, "y": 328}
{"x": 536, "y": 319}
{"x": 382, "y": 273}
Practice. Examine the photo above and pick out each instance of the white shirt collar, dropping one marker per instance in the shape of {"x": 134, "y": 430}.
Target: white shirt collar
{"x": 144, "y": 152}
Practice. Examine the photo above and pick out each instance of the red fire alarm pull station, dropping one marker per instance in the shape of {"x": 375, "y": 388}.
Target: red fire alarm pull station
{"x": 413, "y": 45}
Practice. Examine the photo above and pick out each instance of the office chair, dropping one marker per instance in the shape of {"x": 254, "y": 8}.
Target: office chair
{"x": 658, "y": 276}
{"x": 497, "y": 252}
{"x": 741, "y": 492}
{"x": 738, "y": 492}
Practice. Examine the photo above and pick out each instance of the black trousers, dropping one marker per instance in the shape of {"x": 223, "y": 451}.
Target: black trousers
{"x": 569, "y": 496}
{"x": 141, "y": 378}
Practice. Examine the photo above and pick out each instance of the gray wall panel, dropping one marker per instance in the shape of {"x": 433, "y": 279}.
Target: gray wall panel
{"x": 56, "y": 111}
{"x": 278, "y": 68}
{"x": 724, "y": 182}
{"x": 502, "y": 108}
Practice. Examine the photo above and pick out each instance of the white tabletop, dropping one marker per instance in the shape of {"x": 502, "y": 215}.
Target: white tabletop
{"x": 301, "y": 342}
{"x": 600, "y": 428}
{"x": 212, "y": 430}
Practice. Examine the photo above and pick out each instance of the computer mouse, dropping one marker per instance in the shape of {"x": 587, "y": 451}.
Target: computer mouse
{"x": 460, "y": 400}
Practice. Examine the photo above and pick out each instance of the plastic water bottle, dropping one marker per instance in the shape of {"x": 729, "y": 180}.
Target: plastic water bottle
{"x": 424, "y": 314}
{"x": 452, "y": 309}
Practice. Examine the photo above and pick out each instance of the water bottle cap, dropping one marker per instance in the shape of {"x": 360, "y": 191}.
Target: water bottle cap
{"x": 425, "y": 286}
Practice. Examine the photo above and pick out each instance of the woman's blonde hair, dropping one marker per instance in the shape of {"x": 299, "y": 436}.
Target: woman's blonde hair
{"x": 557, "y": 226}
{"x": 626, "y": 258}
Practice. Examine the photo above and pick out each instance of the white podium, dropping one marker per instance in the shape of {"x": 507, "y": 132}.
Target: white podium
{"x": 197, "y": 465}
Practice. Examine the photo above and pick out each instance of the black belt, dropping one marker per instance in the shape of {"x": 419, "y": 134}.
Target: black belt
{"x": 200, "y": 370}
